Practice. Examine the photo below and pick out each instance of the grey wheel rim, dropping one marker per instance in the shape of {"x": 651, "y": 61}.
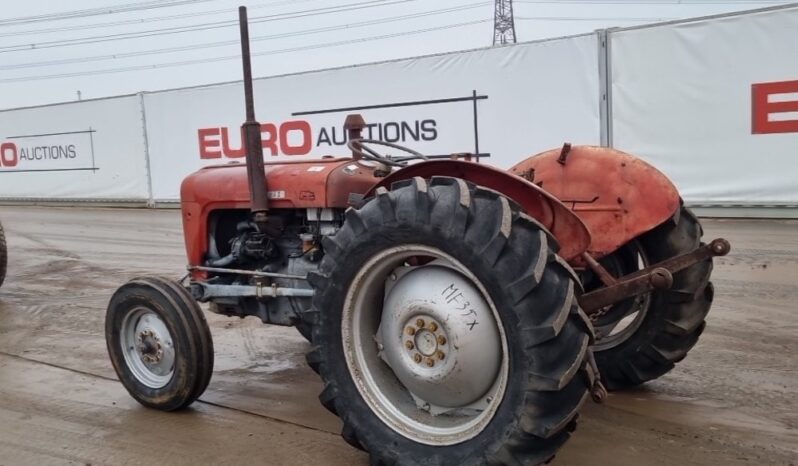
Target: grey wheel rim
{"x": 147, "y": 347}
{"x": 400, "y": 346}
{"x": 613, "y": 332}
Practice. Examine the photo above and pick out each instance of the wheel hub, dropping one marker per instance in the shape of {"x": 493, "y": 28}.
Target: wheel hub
{"x": 440, "y": 338}
{"x": 148, "y": 347}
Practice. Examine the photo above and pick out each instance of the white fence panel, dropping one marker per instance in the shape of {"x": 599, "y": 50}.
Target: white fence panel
{"x": 714, "y": 104}
{"x": 509, "y": 102}
{"x": 90, "y": 150}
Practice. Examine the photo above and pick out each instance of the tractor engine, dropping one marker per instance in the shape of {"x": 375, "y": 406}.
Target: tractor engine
{"x": 267, "y": 264}
{"x": 281, "y": 262}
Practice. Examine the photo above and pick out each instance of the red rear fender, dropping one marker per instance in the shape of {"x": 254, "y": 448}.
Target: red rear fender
{"x": 618, "y": 196}
{"x": 566, "y": 227}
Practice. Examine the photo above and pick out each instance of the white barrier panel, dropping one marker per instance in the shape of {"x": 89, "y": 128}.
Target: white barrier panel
{"x": 713, "y": 104}
{"x": 509, "y": 102}
{"x": 83, "y": 150}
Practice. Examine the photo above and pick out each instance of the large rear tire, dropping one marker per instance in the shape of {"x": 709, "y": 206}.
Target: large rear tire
{"x": 401, "y": 247}
{"x": 3, "y": 255}
{"x": 159, "y": 343}
{"x": 668, "y": 323}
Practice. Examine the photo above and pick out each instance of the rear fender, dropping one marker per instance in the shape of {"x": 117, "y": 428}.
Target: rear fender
{"x": 566, "y": 227}
{"x": 618, "y": 196}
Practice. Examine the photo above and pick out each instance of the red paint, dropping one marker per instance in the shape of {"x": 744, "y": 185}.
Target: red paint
{"x": 762, "y": 108}
{"x": 618, "y": 196}
{"x": 306, "y": 138}
{"x": 8, "y": 155}
{"x": 291, "y": 186}
{"x": 228, "y": 151}
{"x": 293, "y": 137}
{"x": 207, "y": 143}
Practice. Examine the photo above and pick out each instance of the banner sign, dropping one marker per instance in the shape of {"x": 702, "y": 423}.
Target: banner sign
{"x": 72, "y": 150}
{"x": 82, "y": 150}
{"x": 505, "y": 102}
{"x": 713, "y": 104}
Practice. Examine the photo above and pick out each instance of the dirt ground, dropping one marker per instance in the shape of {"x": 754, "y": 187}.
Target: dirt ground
{"x": 733, "y": 401}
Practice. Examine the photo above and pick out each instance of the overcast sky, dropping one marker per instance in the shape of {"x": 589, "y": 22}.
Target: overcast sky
{"x": 87, "y": 47}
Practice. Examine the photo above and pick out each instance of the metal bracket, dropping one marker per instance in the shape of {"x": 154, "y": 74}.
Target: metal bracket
{"x": 205, "y": 291}
{"x": 657, "y": 276}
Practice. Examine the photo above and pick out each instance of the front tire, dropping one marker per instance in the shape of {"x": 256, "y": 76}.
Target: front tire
{"x": 443, "y": 231}
{"x": 159, "y": 343}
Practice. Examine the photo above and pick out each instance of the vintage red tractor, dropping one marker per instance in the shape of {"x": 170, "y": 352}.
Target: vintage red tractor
{"x": 457, "y": 313}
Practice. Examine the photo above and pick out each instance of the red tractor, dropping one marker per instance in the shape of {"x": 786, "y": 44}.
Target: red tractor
{"x": 457, "y": 313}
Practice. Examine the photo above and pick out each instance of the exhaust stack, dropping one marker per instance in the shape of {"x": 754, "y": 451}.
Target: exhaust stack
{"x": 251, "y": 131}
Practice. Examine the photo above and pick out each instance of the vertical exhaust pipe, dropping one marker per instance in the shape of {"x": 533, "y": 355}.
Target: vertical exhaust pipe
{"x": 256, "y": 175}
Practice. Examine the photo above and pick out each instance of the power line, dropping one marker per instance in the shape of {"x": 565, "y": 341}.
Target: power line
{"x": 237, "y": 57}
{"x": 139, "y": 6}
{"x": 655, "y": 2}
{"x": 206, "y": 45}
{"x": 145, "y": 20}
{"x": 201, "y": 26}
{"x": 587, "y": 18}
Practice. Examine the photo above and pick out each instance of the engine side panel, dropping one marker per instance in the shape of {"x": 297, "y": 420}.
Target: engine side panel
{"x": 618, "y": 196}
{"x": 566, "y": 227}
{"x": 324, "y": 183}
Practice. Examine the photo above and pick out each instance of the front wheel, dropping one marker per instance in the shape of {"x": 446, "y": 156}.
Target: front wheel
{"x": 159, "y": 343}
{"x": 446, "y": 329}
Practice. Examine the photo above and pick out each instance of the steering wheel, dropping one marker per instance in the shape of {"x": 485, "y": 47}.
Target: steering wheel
{"x": 359, "y": 147}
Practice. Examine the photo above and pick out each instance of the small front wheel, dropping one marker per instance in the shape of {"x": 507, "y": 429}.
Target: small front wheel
{"x": 159, "y": 343}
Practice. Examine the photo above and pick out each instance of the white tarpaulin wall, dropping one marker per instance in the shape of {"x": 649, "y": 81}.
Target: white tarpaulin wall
{"x": 82, "y": 150}
{"x": 713, "y": 104}
{"x": 526, "y": 99}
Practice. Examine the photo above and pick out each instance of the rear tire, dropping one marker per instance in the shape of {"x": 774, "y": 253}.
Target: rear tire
{"x": 3, "y": 255}
{"x": 159, "y": 343}
{"x": 674, "y": 318}
{"x": 513, "y": 259}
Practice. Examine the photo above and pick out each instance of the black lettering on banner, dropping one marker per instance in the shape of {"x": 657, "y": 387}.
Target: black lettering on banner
{"x": 71, "y": 151}
{"x": 429, "y": 130}
{"x": 323, "y": 138}
{"x": 407, "y": 130}
{"x": 391, "y": 132}
{"x": 370, "y": 127}
{"x": 335, "y": 139}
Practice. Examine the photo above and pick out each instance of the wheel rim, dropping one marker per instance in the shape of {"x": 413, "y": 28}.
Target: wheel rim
{"x": 619, "y": 321}
{"x": 436, "y": 384}
{"x": 148, "y": 347}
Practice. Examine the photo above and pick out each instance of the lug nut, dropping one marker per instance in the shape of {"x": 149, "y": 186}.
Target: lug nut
{"x": 441, "y": 340}
{"x": 417, "y": 358}
{"x": 409, "y": 345}
{"x": 420, "y": 323}
{"x": 433, "y": 326}
{"x": 410, "y": 331}
{"x": 430, "y": 362}
{"x": 440, "y": 355}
